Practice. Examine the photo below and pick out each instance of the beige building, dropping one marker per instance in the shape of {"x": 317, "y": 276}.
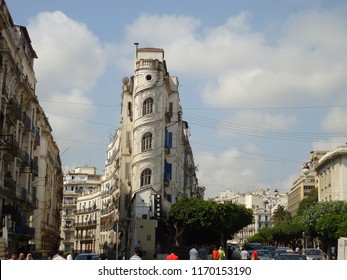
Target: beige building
{"x": 305, "y": 183}
{"x": 30, "y": 167}
{"x": 87, "y": 221}
{"x": 331, "y": 172}
{"x": 80, "y": 210}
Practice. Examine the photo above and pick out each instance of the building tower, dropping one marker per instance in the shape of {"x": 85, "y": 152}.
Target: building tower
{"x": 153, "y": 163}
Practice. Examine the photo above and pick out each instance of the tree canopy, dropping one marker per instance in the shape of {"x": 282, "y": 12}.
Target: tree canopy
{"x": 211, "y": 219}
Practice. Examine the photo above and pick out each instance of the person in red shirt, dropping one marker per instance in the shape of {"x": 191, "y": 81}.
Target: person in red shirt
{"x": 172, "y": 256}
{"x": 215, "y": 253}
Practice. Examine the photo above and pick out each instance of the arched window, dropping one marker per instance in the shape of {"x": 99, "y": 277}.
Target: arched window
{"x": 146, "y": 177}
{"x": 148, "y": 106}
{"x": 147, "y": 141}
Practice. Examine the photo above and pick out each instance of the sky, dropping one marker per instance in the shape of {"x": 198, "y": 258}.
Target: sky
{"x": 262, "y": 83}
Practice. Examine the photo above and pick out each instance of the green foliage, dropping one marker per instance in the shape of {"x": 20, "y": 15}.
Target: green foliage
{"x": 287, "y": 231}
{"x": 279, "y": 215}
{"x": 222, "y": 219}
{"x": 342, "y": 229}
{"x": 308, "y": 202}
{"x": 312, "y": 215}
{"x": 328, "y": 225}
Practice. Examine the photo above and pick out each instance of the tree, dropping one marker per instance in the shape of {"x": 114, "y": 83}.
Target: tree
{"x": 307, "y": 202}
{"x": 287, "y": 232}
{"x": 209, "y": 218}
{"x": 280, "y": 214}
{"x": 321, "y": 220}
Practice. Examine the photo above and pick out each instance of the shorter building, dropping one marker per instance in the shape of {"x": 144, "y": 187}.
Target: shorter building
{"x": 74, "y": 232}
{"x": 87, "y": 222}
{"x": 304, "y": 184}
{"x": 331, "y": 172}
{"x": 263, "y": 202}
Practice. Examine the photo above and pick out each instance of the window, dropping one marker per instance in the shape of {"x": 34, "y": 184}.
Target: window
{"x": 146, "y": 177}
{"x": 147, "y": 141}
{"x": 148, "y": 106}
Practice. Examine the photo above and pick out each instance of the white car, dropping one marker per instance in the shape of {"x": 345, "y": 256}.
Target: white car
{"x": 314, "y": 254}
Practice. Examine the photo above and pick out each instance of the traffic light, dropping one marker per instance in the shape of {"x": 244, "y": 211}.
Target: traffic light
{"x": 157, "y": 206}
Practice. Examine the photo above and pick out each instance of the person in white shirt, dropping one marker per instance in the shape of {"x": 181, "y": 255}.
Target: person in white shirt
{"x": 136, "y": 256}
{"x": 244, "y": 254}
{"x": 193, "y": 254}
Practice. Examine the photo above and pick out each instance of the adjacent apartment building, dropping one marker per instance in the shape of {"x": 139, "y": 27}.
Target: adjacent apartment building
{"x": 30, "y": 166}
{"x": 80, "y": 210}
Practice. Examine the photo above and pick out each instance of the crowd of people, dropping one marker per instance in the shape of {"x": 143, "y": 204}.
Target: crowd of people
{"x": 21, "y": 256}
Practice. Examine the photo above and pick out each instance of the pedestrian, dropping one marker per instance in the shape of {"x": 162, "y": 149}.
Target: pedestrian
{"x": 215, "y": 253}
{"x": 59, "y": 256}
{"x": 202, "y": 252}
{"x": 21, "y": 256}
{"x": 103, "y": 256}
{"x": 136, "y": 256}
{"x": 172, "y": 256}
{"x": 157, "y": 249}
{"x": 139, "y": 247}
{"x": 13, "y": 256}
{"x": 244, "y": 255}
{"x": 193, "y": 254}
{"x": 230, "y": 252}
{"x": 221, "y": 254}
{"x": 69, "y": 257}
{"x": 29, "y": 257}
{"x": 254, "y": 255}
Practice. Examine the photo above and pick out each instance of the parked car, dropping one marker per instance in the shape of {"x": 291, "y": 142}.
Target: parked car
{"x": 313, "y": 254}
{"x": 272, "y": 250}
{"x": 264, "y": 254}
{"x": 290, "y": 256}
{"x": 282, "y": 250}
{"x": 87, "y": 256}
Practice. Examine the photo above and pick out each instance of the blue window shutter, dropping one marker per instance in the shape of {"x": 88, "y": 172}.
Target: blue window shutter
{"x": 170, "y": 140}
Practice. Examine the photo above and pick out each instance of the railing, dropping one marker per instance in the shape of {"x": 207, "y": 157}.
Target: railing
{"x": 86, "y": 224}
{"x": 85, "y": 210}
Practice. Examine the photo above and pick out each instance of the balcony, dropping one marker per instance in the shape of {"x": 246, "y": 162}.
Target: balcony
{"x": 25, "y": 230}
{"x": 25, "y": 159}
{"x": 26, "y": 121}
{"x": 86, "y": 224}
{"x": 34, "y": 167}
{"x": 14, "y": 108}
{"x": 9, "y": 143}
{"x": 10, "y": 186}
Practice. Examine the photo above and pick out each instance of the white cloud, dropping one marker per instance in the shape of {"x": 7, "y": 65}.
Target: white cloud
{"x": 70, "y": 62}
{"x": 334, "y": 120}
{"x": 70, "y": 56}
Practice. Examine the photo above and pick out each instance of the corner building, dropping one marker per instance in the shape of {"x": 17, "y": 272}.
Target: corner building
{"x": 155, "y": 160}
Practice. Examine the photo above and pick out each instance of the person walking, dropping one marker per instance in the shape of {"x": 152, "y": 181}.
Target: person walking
{"x": 59, "y": 256}
{"x": 254, "y": 255}
{"x": 202, "y": 252}
{"x": 244, "y": 254}
{"x": 136, "y": 256}
{"x": 172, "y": 256}
{"x": 21, "y": 256}
{"x": 215, "y": 253}
{"x": 221, "y": 254}
{"x": 29, "y": 257}
{"x": 193, "y": 254}
{"x": 139, "y": 247}
{"x": 13, "y": 256}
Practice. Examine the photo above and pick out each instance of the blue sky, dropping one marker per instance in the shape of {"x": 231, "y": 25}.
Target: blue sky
{"x": 262, "y": 83}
